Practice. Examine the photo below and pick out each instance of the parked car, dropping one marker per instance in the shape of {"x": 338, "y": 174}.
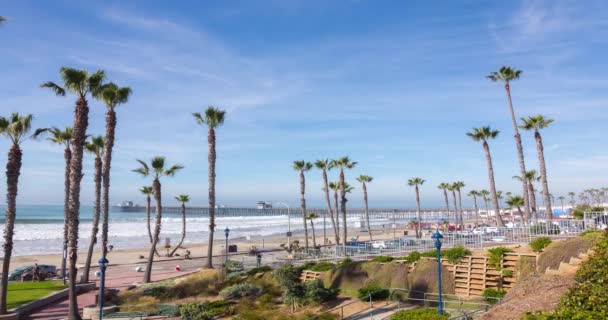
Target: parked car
{"x": 379, "y": 245}
{"x": 48, "y": 271}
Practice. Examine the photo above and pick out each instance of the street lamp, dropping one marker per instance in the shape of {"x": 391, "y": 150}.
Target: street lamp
{"x": 227, "y": 233}
{"x": 103, "y": 265}
{"x": 438, "y": 236}
{"x": 288, "y": 222}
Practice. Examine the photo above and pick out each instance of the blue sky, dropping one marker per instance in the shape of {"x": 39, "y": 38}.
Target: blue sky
{"x": 393, "y": 84}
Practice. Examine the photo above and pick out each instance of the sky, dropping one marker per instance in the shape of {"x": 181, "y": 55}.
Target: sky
{"x": 395, "y": 85}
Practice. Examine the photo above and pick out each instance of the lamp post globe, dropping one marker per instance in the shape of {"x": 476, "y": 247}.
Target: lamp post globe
{"x": 437, "y": 236}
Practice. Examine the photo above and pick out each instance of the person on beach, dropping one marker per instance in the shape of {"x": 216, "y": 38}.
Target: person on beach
{"x": 36, "y": 272}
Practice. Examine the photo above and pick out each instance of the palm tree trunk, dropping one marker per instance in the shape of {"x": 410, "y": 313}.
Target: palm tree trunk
{"x": 460, "y": 217}
{"x": 303, "y": 206}
{"x": 543, "y": 174}
{"x": 419, "y": 224}
{"x": 107, "y": 161}
{"x": 183, "y": 231}
{"x": 312, "y": 227}
{"x": 79, "y": 134}
{"x": 520, "y": 151}
{"x": 148, "y": 217}
{"x": 532, "y": 201}
{"x": 455, "y": 206}
{"x": 211, "y": 159}
{"x": 447, "y": 203}
{"x": 13, "y": 169}
{"x": 159, "y": 215}
{"x": 476, "y": 211}
{"x": 486, "y": 149}
{"x": 333, "y": 221}
{"x": 343, "y": 205}
{"x": 66, "y": 198}
{"x": 95, "y": 223}
{"x": 369, "y": 227}
{"x": 337, "y": 216}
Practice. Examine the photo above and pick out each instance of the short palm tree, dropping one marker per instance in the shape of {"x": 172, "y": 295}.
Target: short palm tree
{"x": 335, "y": 187}
{"x": 445, "y": 186}
{"x": 452, "y": 189}
{"x": 323, "y": 165}
{"x": 16, "y": 128}
{"x": 343, "y": 163}
{"x": 517, "y": 202}
{"x": 156, "y": 169}
{"x": 475, "y": 194}
{"x": 64, "y": 139}
{"x": 531, "y": 176}
{"x": 183, "y": 199}
{"x": 571, "y": 195}
{"x": 82, "y": 84}
{"x": 112, "y": 96}
{"x": 561, "y": 199}
{"x": 506, "y": 75}
{"x": 213, "y": 118}
{"x": 311, "y": 216}
{"x": 95, "y": 147}
{"x": 366, "y": 179}
{"x": 416, "y": 183}
{"x": 484, "y": 134}
{"x": 301, "y": 167}
{"x": 484, "y": 195}
{"x": 536, "y": 123}
{"x": 458, "y": 185}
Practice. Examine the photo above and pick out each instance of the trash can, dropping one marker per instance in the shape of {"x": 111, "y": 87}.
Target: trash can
{"x": 232, "y": 248}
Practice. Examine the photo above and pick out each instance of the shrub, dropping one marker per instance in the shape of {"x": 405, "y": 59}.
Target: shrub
{"x": 429, "y": 254}
{"x": 420, "y": 314}
{"x": 323, "y": 266}
{"x": 493, "y": 295}
{"x": 507, "y": 273}
{"x": 345, "y": 261}
{"x": 255, "y": 271}
{"x": 413, "y": 257}
{"x": 382, "y": 259}
{"x": 495, "y": 256}
{"x": 376, "y": 292}
{"x": 202, "y": 311}
{"x": 241, "y": 290}
{"x": 234, "y": 266}
{"x": 315, "y": 292}
{"x": 455, "y": 255}
{"x": 157, "y": 291}
{"x": 539, "y": 244}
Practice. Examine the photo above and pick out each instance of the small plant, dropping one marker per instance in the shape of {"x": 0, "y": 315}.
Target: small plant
{"x": 376, "y": 293}
{"x": 492, "y": 295}
{"x": 419, "y": 314}
{"x": 345, "y": 261}
{"x": 495, "y": 256}
{"x": 322, "y": 266}
{"x": 455, "y": 255}
{"x": 507, "y": 273}
{"x": 202, "y": 311}
{"x": 382, "y": 259}
{"x": 315, "y": 292}
{"x": 241, "y": 290}
{"x": 413, "y": 257}
{"x": 234, "y": 266}
{"x": 539, "y": 244}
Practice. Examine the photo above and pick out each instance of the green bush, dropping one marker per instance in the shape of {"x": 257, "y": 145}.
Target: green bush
{"x": 318, "y": 267}
{"x": 382, "y": 259}
{"x": 202, "y": 311}
{"x": 315, "y": 292}
{"x": 429, "y": 254}
{"x": 507, "y": 273}
{"x": 539, "y": 244}
{"x": 241, "y": 290}
{"x": 455, "y": 255}
{"x": 420, "y": 314}
{"x": 345, "y": 261}
{"x": 495, "y": 256}
{"x": 493, "y": 295}
{"x": 412, "y": 257}
{"x": 255, "y": 271}
{"x": 156, "y": 291}
{"x": 234, "y": 266}
{"x": 376, "y": 292}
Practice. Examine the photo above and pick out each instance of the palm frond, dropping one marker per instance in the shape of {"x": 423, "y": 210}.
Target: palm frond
{"x": 54, "y": 87}
{"x": 172, "y": 170}
{"x": 144, "y": 169}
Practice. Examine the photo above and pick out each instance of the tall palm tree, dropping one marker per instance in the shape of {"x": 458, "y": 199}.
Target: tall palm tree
{"x": 64, "y": 139}
{"x": 302, "y": 166}
{"x": 182, "y": 198}
{"x": 112, "y": 96}
{"x": 335, "y": 187}
{"x": 16, "y": 128}
{"x": 531, "y": 176}
{"x": 452, "y": 188}
{"x": 484, "y": 134}
{"x": 499, "y": 196}
{"x": 343, "y": 163}
{"x": 458, "y": 185}
{"x": 366, "y": 179}
{"x": 475, "y": 194}
{"x": 484, "y": 194}
{"x": 536, "y": 123}
{"x": 213, "y": 118}
{"x": 311, "y": 216}
{"x": 323, "y": 165}
{"x": 95, "y": 147}
{"x": 445, "y": 186}
{"x": 571, "y": 195}
{"x": 82, "y": 84}
{"x": 416, "y": 183}
{"x": 506, "y": 75}
{"x": 156, "y": 169}
{"x": 561, "y": 199}
{"x": 517, "y": 202}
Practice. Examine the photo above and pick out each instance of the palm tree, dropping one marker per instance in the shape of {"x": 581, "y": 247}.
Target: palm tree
{"x": 475, "y": 194}
{"x": 561, "y": 199}
{"x": 82, "y": 84}
{"x": 335, "y": 187}
{"x": 484, "y": 134}
{"x": 506, "y": 75}
{"x": 499, "y": 196}
{"x": 445, "y": 186}
{"x": 416, "y": 182}
{"x": 182, "y": 198}
{"x": 366, "y": 179}
{"x": 458, "y": 185}
{"x": 16, "y": 128}
{"x": 147, "y": 191}
{"x": 213, "y": 118}
{"x": 484, "y": 194}
{"x": 517, "y": 202}
{"x": 156, "y": 169}
{"x": 311, "y": 216}
{"x": 95, "y": 147}
{"x": 572, "y": 202}
{"x": 112, "y": 96}
{"x": 537, "y": 123}
{"x": 2, "y": 19}
{"x": 323, "y": 165}
{"x": 63, "y": 138}
{"x": 452, "y": 188}
{"x": 531, "y": 176}
{"x": 342, "y": 163}
{"x": 302, "y": 166}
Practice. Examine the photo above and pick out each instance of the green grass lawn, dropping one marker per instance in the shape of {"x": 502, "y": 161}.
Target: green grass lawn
{"x": 23, "y": 292}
